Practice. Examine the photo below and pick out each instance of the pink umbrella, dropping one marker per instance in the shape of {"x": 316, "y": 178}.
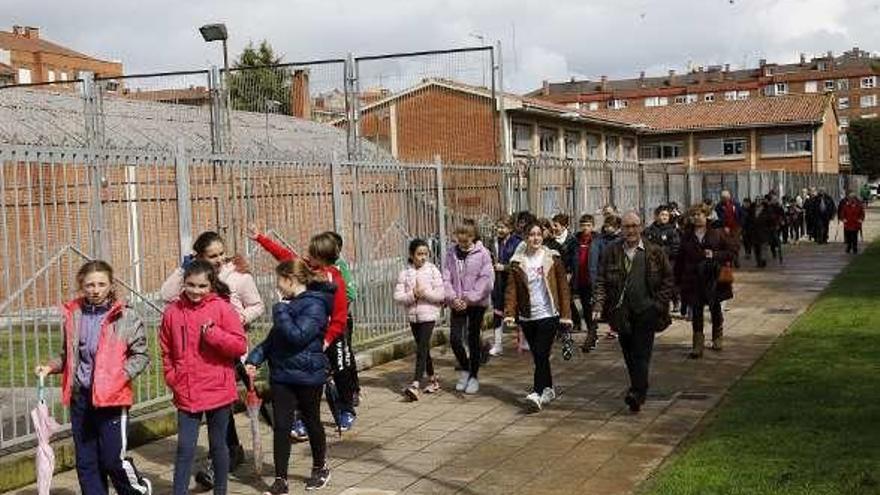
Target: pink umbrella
{"x": 44, "y": 426}
{"x": 253, "y": 403}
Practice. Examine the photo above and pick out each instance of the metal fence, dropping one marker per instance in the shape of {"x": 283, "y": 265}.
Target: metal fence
{"x": 131, "y": 169}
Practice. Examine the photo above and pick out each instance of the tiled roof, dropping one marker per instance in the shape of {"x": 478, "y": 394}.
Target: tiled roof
{"x": 754, "y": 112}
{"x": 10, "y": 41}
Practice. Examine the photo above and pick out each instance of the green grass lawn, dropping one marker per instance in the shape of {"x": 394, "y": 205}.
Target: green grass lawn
{"x": 806, "y": 419}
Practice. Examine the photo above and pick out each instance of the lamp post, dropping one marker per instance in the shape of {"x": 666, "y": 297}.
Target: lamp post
{"x": 217, "y": 32}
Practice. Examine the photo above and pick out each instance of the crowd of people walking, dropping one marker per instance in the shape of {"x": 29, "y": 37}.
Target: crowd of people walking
{"x": 541, "y": 280}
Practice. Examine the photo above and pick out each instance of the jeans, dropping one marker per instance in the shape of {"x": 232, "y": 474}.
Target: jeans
{"x": 717, "y": 318}
{"x": 287, "y": 399}
{"x": 422, "y": 332}
{"x": 188, "y": 436}
{"x": 100, "y": 439}
{"x": 637, "y": 347}
{"x": 469, "y": 321}
{"x": 540, "y": 334}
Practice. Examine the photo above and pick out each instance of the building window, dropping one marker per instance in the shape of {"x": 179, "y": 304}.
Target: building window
{"x": 869, "y": 82}
{"x": 572, "y": 144}
{"x": 844, "y": 122}
{"x": 617, "y": 104}
{"x": 662, "y": 151}
{"x": 629, "y": 149}
{"x": 730, "y": 96}
{"x": 709, "y": 97}
{"x": 768, "y": 71}
{"x": 742, "y": 95}
{"x": 722, "y": 147}
{"x": 656, "y": 101}
{"x": 870, "y": 116}
{"x": 786, "y": 144}
{"x": 63, "y": 76}
{"x": 522, "y": 137}
{"x": 594, "y": 105}
{"x": 777, "y": 89}
{"x": 841, "y": 139}
{"x": 829, "y": 85}
{"x": 548, "y": 141}
{"x": 593, "y": 146}
{"x": 867, "y": 101}
{"x": 612, "y": 148}
{"x": 50, "y": 75}
{"x": 843, "y": 102}
{"x": 810, "y": 87}
{"x": 822, "y": 66}
{"x": 843, "y": 84}
{"x": 24, "y": 76}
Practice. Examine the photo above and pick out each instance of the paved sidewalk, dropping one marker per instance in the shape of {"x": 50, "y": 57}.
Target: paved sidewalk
{"x": 585, "y": 442}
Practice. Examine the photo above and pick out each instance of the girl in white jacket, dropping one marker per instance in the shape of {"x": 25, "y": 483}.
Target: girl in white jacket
{"x": 420, "y": 290}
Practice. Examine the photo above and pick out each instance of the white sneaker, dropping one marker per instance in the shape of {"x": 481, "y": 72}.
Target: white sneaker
{"x": 473, "y": 386}
{"x": 548, "y": 396}
{"x": 463, "y": 378}
{"x": 497, "y": 349}
{"x": 533, "y": 400}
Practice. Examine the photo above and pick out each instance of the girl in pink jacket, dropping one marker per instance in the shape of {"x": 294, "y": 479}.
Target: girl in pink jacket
{"x": 201, "y": 336}
{"x": 232, "y": 271}
{"x": 420, "y": 290}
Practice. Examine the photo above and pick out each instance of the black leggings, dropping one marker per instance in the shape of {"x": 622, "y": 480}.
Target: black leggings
{"x": 470, "y": 321}
{"x": 422, "y": 332}
{"x": 540, "y": 335}
{"x": 344, "y": 370}
{"x": 286, "y": 400}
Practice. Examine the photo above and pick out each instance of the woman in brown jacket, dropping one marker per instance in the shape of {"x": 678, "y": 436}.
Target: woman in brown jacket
{"x": 539, "y": 298}
{"x": 704, "y": 251}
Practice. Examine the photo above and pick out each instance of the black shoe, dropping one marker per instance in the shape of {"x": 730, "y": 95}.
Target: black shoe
{"x": 484, "y": 353}
{"x": 236, "y": 457}
{"x": 278, "y": 488}
{"x": 634, "y": 403}
{"x": 205, "y": 476}
{"x": 320, "y": 478}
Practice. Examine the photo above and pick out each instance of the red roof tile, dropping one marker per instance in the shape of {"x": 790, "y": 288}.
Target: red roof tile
{"x": 11, "y": 41}
{"x": 754, "y": 112}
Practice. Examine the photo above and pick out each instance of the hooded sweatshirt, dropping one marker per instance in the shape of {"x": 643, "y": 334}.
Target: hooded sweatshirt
{"x": 469, "y": 275}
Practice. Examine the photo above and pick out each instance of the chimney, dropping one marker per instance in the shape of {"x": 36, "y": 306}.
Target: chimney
{"x": 18, "y": 30}
{"x": 603, "y": 82}
{"x": 672, "y": 78}
{"x": 572, "y": 80}
{"x": 300, "y": 99}
{"x": 32, "y": 33}
{"x": 726, "y": 67}
{"x": 803, "y": 58}
{"x": 762, "y": 62}
{"x": 545, "y": 88}
{"x": 642, "y": 79}
{"x": 830, "y": 54}
{"x": 701, "y": 75}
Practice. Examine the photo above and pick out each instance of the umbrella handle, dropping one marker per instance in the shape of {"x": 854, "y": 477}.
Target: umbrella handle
{"x": 41, "y": 389}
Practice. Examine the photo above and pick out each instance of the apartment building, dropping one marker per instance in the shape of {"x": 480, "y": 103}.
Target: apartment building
{"x": 796, "y": 133}
{"x": 28, "y": 58}
{"x": 853, "y": 78}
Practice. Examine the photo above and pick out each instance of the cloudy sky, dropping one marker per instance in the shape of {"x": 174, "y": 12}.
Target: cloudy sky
{"x": 542, "y": 39}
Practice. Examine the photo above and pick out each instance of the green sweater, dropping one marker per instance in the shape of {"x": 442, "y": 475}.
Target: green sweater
{"x": 351, "y": 292}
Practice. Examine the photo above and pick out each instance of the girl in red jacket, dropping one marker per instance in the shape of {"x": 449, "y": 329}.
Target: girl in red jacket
{"x": 105, "y": 348}
{"x": 200, "y": 337}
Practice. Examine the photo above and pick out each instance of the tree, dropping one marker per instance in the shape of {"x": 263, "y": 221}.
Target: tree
{"x": 255, "y": 84}
{"x": 864, "y": 146}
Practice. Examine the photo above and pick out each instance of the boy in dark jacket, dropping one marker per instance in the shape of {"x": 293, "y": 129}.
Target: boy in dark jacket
{"x": 581, "y": 283}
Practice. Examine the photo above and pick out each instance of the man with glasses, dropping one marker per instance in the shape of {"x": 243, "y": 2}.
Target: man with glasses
{"x": 634, "y": 287}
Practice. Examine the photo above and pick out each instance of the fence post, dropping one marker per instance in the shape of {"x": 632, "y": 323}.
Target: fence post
{"x": 94, "y": 141}
{"x": 643, "y": 200}
{"x": 337, "y": 194}
{"x": 218, "y": 117}
{"x": 184, "y": 199}
{"x": 441, "y": 208}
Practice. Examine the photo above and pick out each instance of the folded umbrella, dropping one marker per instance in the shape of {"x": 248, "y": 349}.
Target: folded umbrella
{"x": 253, "y": 403}
{"x": 44, "y": 426}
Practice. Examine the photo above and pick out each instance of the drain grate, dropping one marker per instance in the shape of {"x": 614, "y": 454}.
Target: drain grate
{"x": 693, "y": 396}
{"x": 779, "y": 311}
